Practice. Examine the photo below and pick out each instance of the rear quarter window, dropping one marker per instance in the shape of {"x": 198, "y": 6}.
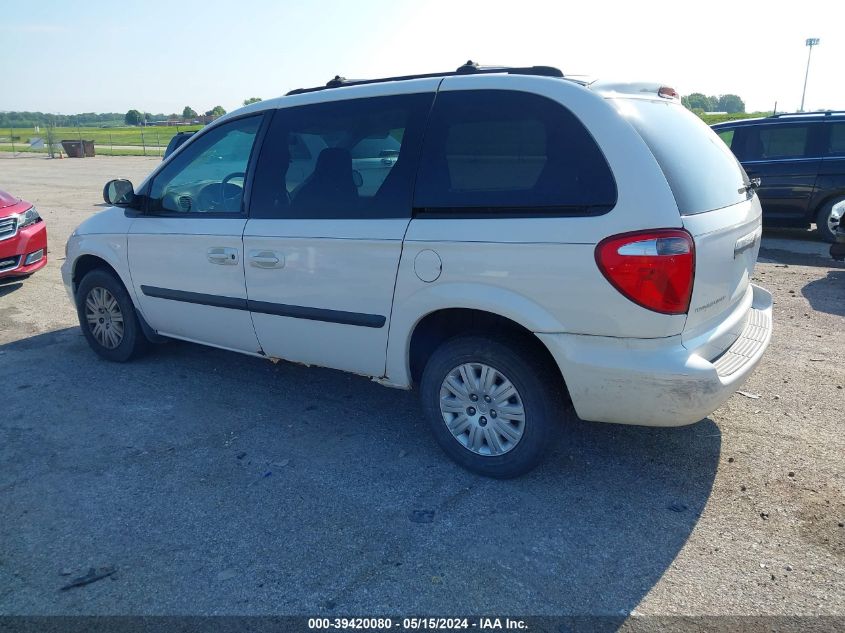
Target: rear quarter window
{"x": 509, "y": 153}
{"x": 836, "y": 145}
{"x": 700, "y": 168}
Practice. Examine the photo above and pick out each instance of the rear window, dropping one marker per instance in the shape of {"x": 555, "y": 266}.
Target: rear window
{"x": 701, "y": 170}
{"x": 777, "y": 141}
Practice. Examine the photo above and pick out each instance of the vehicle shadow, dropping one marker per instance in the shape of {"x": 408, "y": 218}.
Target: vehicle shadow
{"x": 828, "y": 294}
{"x": 219, "y": 483}
{"x": 792, "y": 233}
{"x": 797, "y": 247}
{"x": 9, "y": 285}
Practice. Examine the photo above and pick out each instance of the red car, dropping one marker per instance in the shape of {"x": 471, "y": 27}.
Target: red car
{"x": 23, "y": 238}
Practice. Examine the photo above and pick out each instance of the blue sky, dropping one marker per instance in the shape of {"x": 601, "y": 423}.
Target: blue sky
{"x": 160, "y": 56}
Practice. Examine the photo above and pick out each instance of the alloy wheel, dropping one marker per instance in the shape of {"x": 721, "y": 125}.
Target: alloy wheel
{"x": 104, "y": 317}
{"x": 482, "y": 409}
{"x": 837, "y": 211}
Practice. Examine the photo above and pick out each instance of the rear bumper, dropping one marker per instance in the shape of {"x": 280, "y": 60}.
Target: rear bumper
{"x": 657, "y": 382}
{"x": 25, "y": 244}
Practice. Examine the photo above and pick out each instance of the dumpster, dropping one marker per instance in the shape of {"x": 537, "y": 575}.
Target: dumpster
{"x": 78, "y": 149}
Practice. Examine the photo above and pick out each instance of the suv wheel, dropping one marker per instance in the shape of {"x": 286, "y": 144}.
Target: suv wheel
{"x": 829, "y": 218}
{"x": 491, "y": 407}
{"x": 107, "y": 317}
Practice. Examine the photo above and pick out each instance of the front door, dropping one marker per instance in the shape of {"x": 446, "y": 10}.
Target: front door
{"x": 186, "y": 251}
{"x": 322, "y": 248}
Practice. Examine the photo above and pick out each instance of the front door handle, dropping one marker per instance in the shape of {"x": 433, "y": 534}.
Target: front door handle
{"x": 223, "y": 255}
{"x": 266, "y": 259}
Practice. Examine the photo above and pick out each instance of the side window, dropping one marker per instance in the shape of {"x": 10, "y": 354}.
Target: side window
{"x": 727, "y": 136}
{"x": 384, "y": 147}
{"x": 209, "y": 176}
{"x": 299, "y": 148}
{"x": 771, "y": 142}
{"x": 343, "y": 159}
{"x": 516, "y": 153}
{"x": 836, "y": 146}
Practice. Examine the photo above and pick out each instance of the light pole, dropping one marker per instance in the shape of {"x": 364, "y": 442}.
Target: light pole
{"x": 810, "y": 42}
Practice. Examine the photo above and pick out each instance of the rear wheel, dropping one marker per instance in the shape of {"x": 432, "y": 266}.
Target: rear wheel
{"x": 107, "y": 317}
{"x": 829, "y": 217}
{"x": 491, "y": 407}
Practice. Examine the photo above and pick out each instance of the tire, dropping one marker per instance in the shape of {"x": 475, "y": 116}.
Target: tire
{"x": 102, "y": 296}
{"x": 537, "y": 394}
{"x": 824, "y": 219}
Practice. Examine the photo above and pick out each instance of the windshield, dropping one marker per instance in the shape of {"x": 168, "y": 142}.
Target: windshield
{"x": 701, "y": 170}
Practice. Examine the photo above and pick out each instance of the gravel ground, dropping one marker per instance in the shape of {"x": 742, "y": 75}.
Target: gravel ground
{"x": 216, "y": 483}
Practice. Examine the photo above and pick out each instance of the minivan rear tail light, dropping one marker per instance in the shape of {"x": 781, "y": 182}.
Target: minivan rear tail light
{"x": 654, "y": 269}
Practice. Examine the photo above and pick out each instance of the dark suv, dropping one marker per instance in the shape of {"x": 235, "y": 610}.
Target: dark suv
{"x": 176, "y": 142}
{"x": 800, "y": 159}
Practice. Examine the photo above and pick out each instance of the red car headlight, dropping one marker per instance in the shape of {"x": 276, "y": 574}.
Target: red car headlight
{"x": 28, "y": 218}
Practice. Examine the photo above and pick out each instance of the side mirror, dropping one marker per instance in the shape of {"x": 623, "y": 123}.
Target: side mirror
{"x": 357, "y": 178}
{"x": 119, "y": 193}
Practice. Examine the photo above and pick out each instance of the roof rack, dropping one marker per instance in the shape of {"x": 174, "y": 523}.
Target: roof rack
{"x": 469, "y": 68}
{"x": 817, "y": 113}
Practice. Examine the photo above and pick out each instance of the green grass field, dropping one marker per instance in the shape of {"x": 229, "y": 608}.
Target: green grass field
{"x": 151, "y": 136}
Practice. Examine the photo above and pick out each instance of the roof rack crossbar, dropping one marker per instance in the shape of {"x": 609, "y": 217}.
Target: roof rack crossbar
{"x": 470, "y": 68}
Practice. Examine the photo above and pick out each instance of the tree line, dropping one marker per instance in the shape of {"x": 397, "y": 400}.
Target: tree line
{"x": 136, "y": 117}
{"x": 699, "y": 102}
{"x": 31, "y": 119}
{"x": 26, "y": 119}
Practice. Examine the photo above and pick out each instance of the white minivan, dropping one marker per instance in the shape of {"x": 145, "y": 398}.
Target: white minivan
{"x": 503, "y": 239}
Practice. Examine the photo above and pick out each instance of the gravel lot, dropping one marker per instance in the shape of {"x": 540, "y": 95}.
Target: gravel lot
{"x": 222, "y": 484}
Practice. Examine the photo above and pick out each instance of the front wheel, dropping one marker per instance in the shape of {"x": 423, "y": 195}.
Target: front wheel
{"x": 107, "y": 317}
{"x": 491, "y": 407}
{"x": 829, "y": 217}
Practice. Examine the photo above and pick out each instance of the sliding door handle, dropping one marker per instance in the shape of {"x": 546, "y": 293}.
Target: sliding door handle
{"x": 266, "y": 259}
